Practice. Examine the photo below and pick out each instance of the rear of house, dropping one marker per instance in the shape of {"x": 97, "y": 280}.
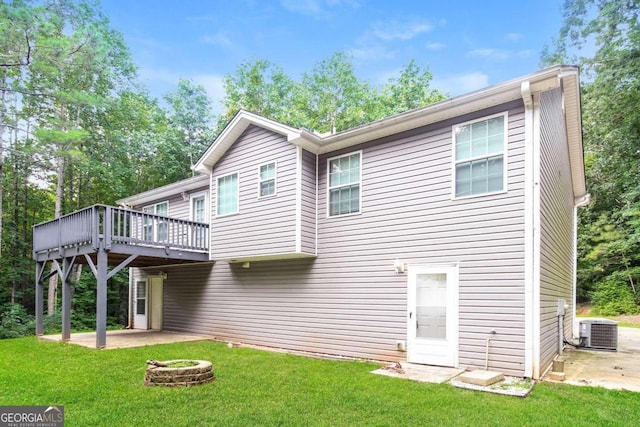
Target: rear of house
{"x": 416, "y": 237}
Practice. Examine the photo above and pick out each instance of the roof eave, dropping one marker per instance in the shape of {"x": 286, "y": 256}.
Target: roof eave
{"x": 165, "y": 192}
{"x": 573, "y": 122}
{"x": 453, "y": 107}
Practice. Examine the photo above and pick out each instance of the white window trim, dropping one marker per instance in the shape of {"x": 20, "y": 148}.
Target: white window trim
{"x": 275, "y": 179}
{"x": 505, "y": 159}
{"x": 155, "y": 223}
{"x": 155, "y": 205}
{"x": 218, "y": 178}
{"x": 206, "y": 209}
{"x": 328, "y": 192}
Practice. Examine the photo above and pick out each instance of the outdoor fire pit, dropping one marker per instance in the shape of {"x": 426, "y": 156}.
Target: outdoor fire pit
{"x": 178, "y": 373}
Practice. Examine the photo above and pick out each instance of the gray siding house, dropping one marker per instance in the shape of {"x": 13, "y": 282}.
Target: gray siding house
{"x": 417, "y": 237}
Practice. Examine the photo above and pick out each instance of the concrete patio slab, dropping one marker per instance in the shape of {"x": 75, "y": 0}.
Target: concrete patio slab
{"x": 127, "y": 338}
{"x": 422, "y": 373}
{"x": 609, "y": 369}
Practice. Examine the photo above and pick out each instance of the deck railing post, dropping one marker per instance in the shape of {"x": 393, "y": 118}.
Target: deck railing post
{"x": 95, "y": 225}
{"x": 108, "y": 227}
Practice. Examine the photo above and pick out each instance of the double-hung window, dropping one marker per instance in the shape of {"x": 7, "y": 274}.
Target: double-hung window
{"x": 344, "y": 178}
{"x": 199, "y": 214}
{"x": 267, "y": 180}
{"x": 227, "y": 194}
{"x": 156, "y": 229}
{"x": 479, "y": 159}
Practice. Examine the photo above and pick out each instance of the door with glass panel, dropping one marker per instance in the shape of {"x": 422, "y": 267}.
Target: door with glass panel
{"x": 432, "y": 315}
{"x": 140, "y": 305}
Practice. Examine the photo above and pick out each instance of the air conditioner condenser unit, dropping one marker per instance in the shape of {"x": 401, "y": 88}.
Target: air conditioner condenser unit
{"x": 599, "y": 334}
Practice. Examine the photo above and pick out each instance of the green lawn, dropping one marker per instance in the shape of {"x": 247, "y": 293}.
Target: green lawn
{"x": 268, "y": 389}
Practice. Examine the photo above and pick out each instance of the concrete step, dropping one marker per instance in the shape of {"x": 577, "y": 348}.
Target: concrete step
{"x": 481, "y": 377}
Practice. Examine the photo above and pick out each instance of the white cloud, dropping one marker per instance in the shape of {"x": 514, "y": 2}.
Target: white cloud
{"x": 159, "y": 75}
{"x": 366, "y": 53}
{"x": 219, "y": 39}
{"x": 317, "y": 8}
{"x": 167, "y": 80}
{"x": 435, "y": 46}
{"x": 213, "y": 84}
{"x": 490, "y": 53}
{"x": 526, "y": 53}
{"x": 461, "y": 83}
{"x": 514, "y": 37}
{"x": 304, "y": 7}
{"x": 398, "y": 30}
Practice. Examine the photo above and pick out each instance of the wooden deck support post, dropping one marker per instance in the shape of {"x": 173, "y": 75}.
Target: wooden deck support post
{"x": 65, "y": 277}
{"x": 39, "y": 298}
{"x": 101, "y": 300}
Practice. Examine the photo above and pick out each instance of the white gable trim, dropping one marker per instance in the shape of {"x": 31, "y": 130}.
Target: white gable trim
{"x": 233, "y": 130}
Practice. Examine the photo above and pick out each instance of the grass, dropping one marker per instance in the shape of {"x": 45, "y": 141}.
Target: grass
{"x": 252, "y": 387}
{"x": 627, "y": 321}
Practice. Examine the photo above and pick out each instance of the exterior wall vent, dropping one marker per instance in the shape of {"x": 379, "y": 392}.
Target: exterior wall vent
{"x": 599, "y": 334}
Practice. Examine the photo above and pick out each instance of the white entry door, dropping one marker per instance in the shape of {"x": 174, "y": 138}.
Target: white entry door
{"x": 432, "y": 315}
{"x": 155, "y": 302}
{"x": 140, "y": 305}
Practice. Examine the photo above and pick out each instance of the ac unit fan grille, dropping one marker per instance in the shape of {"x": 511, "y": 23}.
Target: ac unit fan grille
{"x": 604, "y": 335}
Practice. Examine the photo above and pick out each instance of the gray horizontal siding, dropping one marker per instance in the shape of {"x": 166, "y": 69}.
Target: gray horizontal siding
{"x": 178, "y": 207}
{"x": 349, "y": 300}
{"x": 407, "y": 213}
{"x": 263, "y": 226}
{"x": 557, "y": 255}
{"x": 309, "y": 203}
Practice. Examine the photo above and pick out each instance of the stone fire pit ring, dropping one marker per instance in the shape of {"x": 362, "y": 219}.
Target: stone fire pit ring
{"x": 178, "y": 373}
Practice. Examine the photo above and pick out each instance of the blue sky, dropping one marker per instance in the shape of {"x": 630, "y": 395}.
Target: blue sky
{"x": 467, "y": 45}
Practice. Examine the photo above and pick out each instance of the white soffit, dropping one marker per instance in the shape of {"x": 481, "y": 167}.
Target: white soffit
{"x": 573, "y": 121}
{"x": 165, "y": 192}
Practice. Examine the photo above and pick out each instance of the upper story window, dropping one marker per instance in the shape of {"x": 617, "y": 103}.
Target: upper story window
{"x": 267, "y": 180}
{"x": 155, "y": 229}
{"x": 199, "y": 213}
{"x": 198, "y": 207}
{"x": 344, "y": 179}
{"x": 227, "y": 194}
{"x": 479, "y": 152}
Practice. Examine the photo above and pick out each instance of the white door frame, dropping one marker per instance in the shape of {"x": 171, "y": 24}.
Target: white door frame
{"x": 155, "y": 297}
{"x": 140, "y": 320}
{"x": 442, "y": 352}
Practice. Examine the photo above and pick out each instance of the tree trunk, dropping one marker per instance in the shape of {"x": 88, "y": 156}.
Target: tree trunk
{"x": 3, "y": 115}
{"x": 53, "y": 281}
{"x": 13, "y": 247}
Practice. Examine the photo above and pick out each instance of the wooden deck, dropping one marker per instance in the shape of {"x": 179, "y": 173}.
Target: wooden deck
{"x": 102, "y": 236}
{"x": 154, "y": 239}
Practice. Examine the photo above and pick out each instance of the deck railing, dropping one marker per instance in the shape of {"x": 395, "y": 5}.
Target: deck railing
{"x": 113, "y": 225}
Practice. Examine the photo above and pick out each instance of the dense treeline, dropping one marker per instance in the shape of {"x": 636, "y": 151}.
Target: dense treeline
{"x": 77, "y": 129}
{"x": 604, "y": 38}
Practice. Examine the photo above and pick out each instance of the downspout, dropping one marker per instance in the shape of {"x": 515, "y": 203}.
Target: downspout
{"x": 578, "y": 202}
{"x": 529, "y": 359}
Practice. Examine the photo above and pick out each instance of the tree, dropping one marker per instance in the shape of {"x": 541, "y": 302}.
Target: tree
{"x": 410, "y": 90}
{"x": 330, "y": 98}
{"x": 260, "y": 87}
{"x": 609, "y": 263}
{"x": 62, "y": 61}
{"x": 190, "y": 115}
